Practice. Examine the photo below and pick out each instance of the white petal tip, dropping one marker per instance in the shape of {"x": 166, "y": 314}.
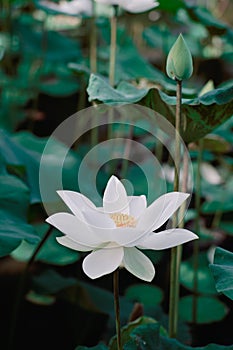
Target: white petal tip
{"x": 49, "y": 220}
{"x": 149, "y": 279}
{"x": 185, "y": 194}
{"x": 59, "y": 240}
{"x": 114, "y": 179}
{"x": 91, "y": 276}
{"x": 60, "y": 192}
{"x": 189, "y": 237}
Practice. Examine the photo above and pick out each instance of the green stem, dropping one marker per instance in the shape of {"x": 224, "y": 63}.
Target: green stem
{"x": 184, "y": 187}
{"x": 197, "y": 231}
{"x": 6, "y": 16}
{"x": 117, "y": 307}
{"x": 177, "y": 136}
{"x": 112, "y": 62}
{"x": 94, "y": 131}
{"x": 127, "y": 150}
{"x": 38, "y": 248}
{"x": 176, "y": 251}
{"x": 93, "y": 41}
{"x": 36, "y": 71}
{"x": 21, "y": 290}
{"x": 217, "y": 219}
{"x": 159, "y": 151}
{"x": 113, "y": 47}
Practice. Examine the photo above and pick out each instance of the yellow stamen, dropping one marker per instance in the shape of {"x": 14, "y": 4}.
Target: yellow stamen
{"x": 123, "y": 220}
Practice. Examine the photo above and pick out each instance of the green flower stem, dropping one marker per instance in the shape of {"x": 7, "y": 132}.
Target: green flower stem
{"x": 93, "y": 41}
{"x": 113, "y": 47}
{"x": 36, "y": 71}
{"x": 37, "y": 250}
{"x": 159, "y": 151}
{"x": 197, "y": 230}
{"x": 93, "y": 66}
{"x": 94, "y": 131}
{"x": 117, "y": 307}
{"x": 177, "y": 137}
{"x": 176, "y": 251}
{"x": 217, "y": 218}
{"x": 21, "y": 290}
{"x": 127, "y": 150}
{"x": 112, "y": 62}
{"x": 184, "y": 187}
{"x": 176, "y": 255}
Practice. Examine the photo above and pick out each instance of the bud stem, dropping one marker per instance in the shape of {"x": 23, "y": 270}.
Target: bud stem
{"x": 197, "y": 230}
{"x": 176, "y": 251}
{"x": 112, "y": 63}
{"x": 113, "y": 46}
{"x": 93, "y": 41}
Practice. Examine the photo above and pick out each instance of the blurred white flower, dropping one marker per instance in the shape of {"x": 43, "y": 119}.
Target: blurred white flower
{"x": 134, "y": 6}
{"x": 72, "y": 8}
{"x": 210, "y": 174}
{"x": 114, "y": 232}
{"x": 168, "y": 173}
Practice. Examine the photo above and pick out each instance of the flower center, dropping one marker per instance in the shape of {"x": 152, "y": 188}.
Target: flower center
{"x": 123, "y": 220}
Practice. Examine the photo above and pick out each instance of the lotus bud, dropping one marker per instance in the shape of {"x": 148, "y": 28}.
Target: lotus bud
{"x": 179, "y": 61}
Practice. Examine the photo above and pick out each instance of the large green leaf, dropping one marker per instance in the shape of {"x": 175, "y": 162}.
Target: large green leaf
{"x": 51, "y": 253}
{"x": 50, "y": 282}
{"x": 218, "y": 198}
{"x": 130, "y": 64}
{"x": 15, "y": 94}
{"x": 100, "y": 346}
{"x": 14, "y": 205}
{"x": 99, "y": 300}
{"x": 26, "y": 149}
{"x": 171, "y": 6}
{"x": 47, "y": 45}
{"x": 99, "y": 89}
{"x": 160, "y": 37}
{"x": 144, "y": 337}
{"x": 201, "y": 115}
{"x": 50, "y": 78}
{"x": 222, "y": 270}
{"x": 144, "y": 293}
{"x": 147, "y": 337}
{"x": 205, "y": 282}
{"x": 59, "y": 87}
{"x": 204, "y": 16}
{"x": 127, "y": 330}
{"x": 57, "y": 80}
{"x": 209, "y": 309}
{"x": 227, "y": 226}
{"x": 226, "y": 130}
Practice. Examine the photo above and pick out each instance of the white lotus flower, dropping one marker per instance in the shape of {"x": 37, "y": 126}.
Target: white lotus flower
{"x": 210, "y": 174}
{"x": 134, "y": 6}
{"x": 114, "y": 233}
{"x": 72, "y": 8}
